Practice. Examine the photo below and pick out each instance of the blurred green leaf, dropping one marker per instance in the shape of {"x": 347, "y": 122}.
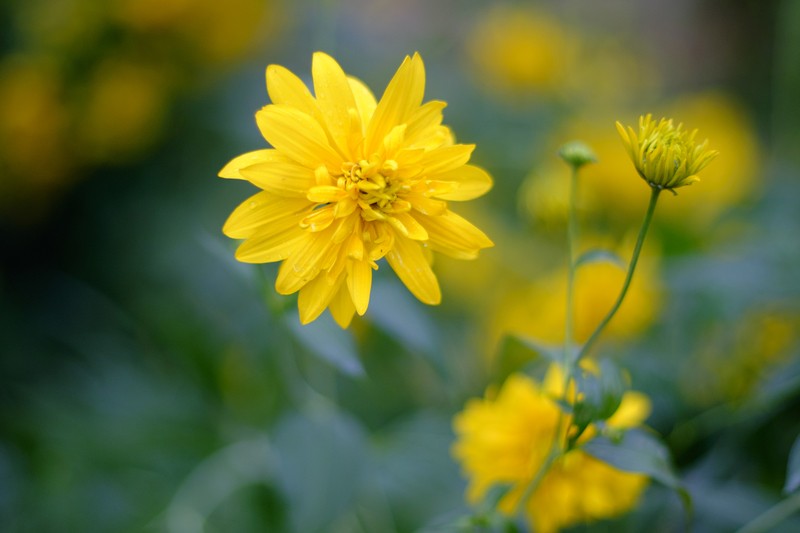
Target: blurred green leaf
{"x": 599, "y": 395}
{"x": 639, "y": 451}
{"x": 320, "y": 460}
{"x": 600, "y": 256}
{"x": 329, "y": 342}
{"x": 793, "y": 470}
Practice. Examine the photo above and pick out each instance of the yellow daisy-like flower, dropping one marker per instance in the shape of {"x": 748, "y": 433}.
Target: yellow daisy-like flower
{"x": 665, "y": 156}
{"x": 506, "y": 437}
{"x": 350, "y": 181}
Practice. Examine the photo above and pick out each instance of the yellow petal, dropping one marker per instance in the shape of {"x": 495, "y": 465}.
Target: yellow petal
{"x": 315, "y": 296}
{"x": 335, "y": 100}
{"x": 408, "y": 262}
{"x": 305, "y": 261}
{"x": 359, "y": 283}
{"x": 452, "y": 232}
{"x": 279, "y": 175}
{"x": 263, "y": 209}
{"x": 633, "y": 411}
{"x": 408, "y": 226}
{"x": 274, "y": 242}
{"x": 365, "y": 101}
{"x": 341, "y": 307}
{"x": 424, "y": 120}
{"x": 298, "y": 136}
{"x": 444, "y": 159}
{"x": 233, "y": 168}
{"x": 402, "y": 97}
{"x": 284, "y": 88}
{"x": 471, "y": 182}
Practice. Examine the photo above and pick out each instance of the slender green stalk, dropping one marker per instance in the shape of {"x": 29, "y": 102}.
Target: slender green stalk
{"x": 572, "y": 237}
{"x": 773, "y": 516}
{"x": 631, "y": 268}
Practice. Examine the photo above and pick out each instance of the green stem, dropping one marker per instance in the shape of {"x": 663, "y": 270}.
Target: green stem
{"x": 634, "y": 259}
{"x": 572, "y": 237}
{"x": 773, "y": 516}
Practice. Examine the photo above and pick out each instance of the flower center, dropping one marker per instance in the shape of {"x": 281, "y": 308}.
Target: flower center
{"x": 377, "y": 186}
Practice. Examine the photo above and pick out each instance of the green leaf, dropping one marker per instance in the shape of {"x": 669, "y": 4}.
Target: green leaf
{"x": 517, "y": 352}
{"x": 600, "y": 395}
{"x": 642, "y": 452}
{"x": 793, "y": 470}
{"x": 598, "y": 255}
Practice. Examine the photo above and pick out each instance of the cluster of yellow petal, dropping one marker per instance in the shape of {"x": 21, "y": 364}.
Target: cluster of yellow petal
{"x": 665, "y": 156}
{"x": 506, "y": 437}
{"x": 350, "y": 181}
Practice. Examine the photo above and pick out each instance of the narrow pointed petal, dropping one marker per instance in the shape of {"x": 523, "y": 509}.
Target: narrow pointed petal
{"x": 341, "y": 307}
{"x": 263, "y": 209}
{"x": 314, "y": 298}
{"x": 365, "y": 101}
{"x": 445, "y": 159}
{"x": 278, "y": 174}
{"x": 359, "y": 283}
{"x": 274, "y": 242}
{"x": 233, "y": 169}
{"x": 450, "y": 231}
{"x": 298, "y": 136}
{"x": 284, "y": 88}
{"x": 402, "y": 97}
{"x": 408, "y": 261}
{"x": 335, "y": 100}
{"x": 471, "y": 182}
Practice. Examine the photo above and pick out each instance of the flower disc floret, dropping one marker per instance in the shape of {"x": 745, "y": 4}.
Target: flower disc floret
{"x": 665, "y": 156}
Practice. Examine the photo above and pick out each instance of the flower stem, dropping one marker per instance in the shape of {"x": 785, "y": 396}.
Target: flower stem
{"x": 572, "y": 237}
{"x": 631, "y": 267}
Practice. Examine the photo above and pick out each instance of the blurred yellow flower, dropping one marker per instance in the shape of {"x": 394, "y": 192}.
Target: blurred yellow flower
{"x": 124, "y": 111}
{"x": 538, "y": 310}
{"x": 518, "y": 50}
{"x": 665, "y": 156}
{"x": 506, "y": 437}
{"x": 350, "y": 181}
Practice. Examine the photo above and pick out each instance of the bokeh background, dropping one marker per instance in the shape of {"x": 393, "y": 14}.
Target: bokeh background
{"x": 149, "y": 382}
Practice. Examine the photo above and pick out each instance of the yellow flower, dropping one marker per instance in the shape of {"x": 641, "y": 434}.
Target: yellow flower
{"x": 665, "y": 156}
{"x": 518, "y": 50}
{"x": 505, "y": 439}
{"x": 350, "y": 181}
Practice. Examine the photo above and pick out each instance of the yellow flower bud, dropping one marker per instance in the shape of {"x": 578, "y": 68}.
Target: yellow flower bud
{"x": 665, "y": 156}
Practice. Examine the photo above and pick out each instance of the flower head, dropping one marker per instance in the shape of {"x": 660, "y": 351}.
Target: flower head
{"x": 665, "y": 156}
{"x": 506, "y": 438}
{"x": 350, "y": 181}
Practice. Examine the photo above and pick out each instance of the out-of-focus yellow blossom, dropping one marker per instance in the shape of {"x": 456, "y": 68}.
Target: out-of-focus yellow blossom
{"x": 665, "y": 156}
{"x": 518, "y": 50}
{"x": 761, "y": 341}
{"x": 505, "y": 438}
{"x": 34, "y": 155}
{"x": 351, "y": 180}
{"x": 212, "y": 32}
{"x": 123, "y": 113}
{"x": 539, "y": 310}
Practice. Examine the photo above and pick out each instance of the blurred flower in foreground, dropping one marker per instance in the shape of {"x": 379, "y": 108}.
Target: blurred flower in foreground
{"x": 665, "y": 156}
{"x": 517, "y": 50}
{"x": 506, "y": 437}
{"x": 350, "y": 181}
